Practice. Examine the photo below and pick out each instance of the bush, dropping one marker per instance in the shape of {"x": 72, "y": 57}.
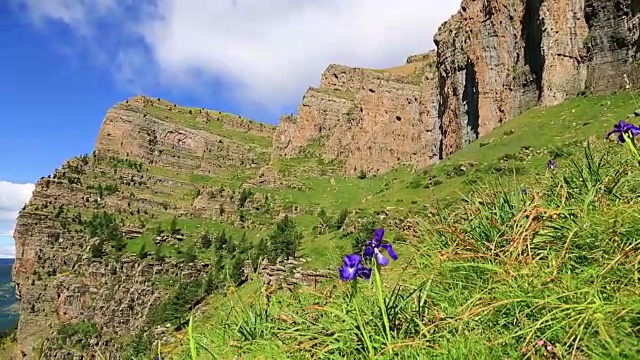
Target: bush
{"x": 362, "y": 234}
{"x": 284, "y": 240}
{"x": 78, "y": 334}
{"x": 324, "y": 222}
{"x": 205, "y": 241}
{"x": 338, "y": 224}
{"x": 244, "y": 196}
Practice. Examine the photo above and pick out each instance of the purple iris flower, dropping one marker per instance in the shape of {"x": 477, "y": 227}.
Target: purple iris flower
{"x": 624, "y": 127}
{"x": 352, "y": 268}
{"x": 374, "y": 246}
{"x": 551, "y": 164}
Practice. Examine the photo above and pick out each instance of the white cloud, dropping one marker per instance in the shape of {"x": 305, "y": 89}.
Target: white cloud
{"x": 267, "y": 52}
{"x": 12, "y": 197}
{"x": 7, "y": 215}
{"x": 7, "y": 251}
{"x": 76, "y": 13}
{"x": 8, "y": 226}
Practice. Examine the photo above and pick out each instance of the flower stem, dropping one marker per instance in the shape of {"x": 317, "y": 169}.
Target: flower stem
{"x": 383, "y": 306}
{"x": 629, "y": 141}
{"x": 363, "y": 330}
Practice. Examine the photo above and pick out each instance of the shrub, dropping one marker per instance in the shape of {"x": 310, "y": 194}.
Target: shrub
{"x": 362, "y": 234}
{"x": 205, "y": 241}
{"x": 244, "y": 196}
{"x": 284, "y": 240}
{"x": 338, "y": 224}
{"x": 77, "y": 334}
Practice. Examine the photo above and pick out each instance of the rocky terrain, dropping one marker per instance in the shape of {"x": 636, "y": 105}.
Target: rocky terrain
{"x": 494, "y": 59}
{"x": 370, "y": 120}
{"x": 152, "y": 160}
{"x": 105, "y": 240}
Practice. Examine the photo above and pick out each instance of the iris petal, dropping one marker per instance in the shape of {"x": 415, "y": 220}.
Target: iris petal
{"x": 378, "y": 234}
{"x": 368, "y": 252}
{"x": 364, "y": 272}
{"x": 390, "y": 251}
{"x": 350, "y": 266}
{"x": 352, "y": 260}
{"x": 381, "y": 259}
{"x": 347, "y": 273}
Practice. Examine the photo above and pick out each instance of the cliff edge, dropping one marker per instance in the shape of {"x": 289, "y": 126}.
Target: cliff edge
{"x": 494, "y": 60}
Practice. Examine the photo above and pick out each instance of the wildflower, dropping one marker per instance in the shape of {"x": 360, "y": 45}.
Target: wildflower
{"x": 352, "y": 268}
{"x": 622, "y": 128}
{"x": 540, "y": 342}
{"x": 373, "y": 248}
{"x": 524, "y": 191}
{"x": 551, "y": 164}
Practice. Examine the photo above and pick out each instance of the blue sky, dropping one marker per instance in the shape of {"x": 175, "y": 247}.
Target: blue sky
{"x": 65, "y": 62}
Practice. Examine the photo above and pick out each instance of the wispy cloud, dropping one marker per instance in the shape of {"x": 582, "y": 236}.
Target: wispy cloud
{"x": 7, "y": 251}
{"x": 12, "y": 198}
{"x": 8, "y": 233}
{"x": 265, "y": 52}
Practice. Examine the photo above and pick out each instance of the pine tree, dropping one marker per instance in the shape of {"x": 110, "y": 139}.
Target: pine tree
{"x": 220, "y": 242}
{"x": 323, "y": 222}
{"x": 189, "y": 255}
{"x": 173, "y": 226}
{"x": 205, "y": 241}
{"x": 340, "y": 220}
{"x": 364, "y": 234}
{"x": 284, "y": 241}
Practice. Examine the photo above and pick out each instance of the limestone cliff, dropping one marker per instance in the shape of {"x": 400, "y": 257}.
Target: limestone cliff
{"x": 370, "y": 120}
{"x": 80, "y": 291}
{"x": 494, "y": 59}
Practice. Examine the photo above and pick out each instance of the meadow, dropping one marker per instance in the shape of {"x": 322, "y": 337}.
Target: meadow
{"x": 521, "y": 246}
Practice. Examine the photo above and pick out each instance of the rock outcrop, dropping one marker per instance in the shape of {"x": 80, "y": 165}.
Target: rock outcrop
{"x": 495, "y": 59}
{"x": 370, "y": 120}
{"x": 76, "y": 272}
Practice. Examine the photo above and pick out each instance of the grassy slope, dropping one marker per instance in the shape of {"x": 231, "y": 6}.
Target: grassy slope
{"x": 484, "y": 277}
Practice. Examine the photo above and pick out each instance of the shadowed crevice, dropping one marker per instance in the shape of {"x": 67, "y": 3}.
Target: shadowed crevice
{"x": 532, "y": 35}
{"x": 470, "y": 98}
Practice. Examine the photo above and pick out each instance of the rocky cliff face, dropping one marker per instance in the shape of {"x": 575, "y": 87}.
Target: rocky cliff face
{"x": 495, "y": 59}
{"x": 153, "y": 160}
{"x": 612, "y": 45}
{"x": 370, "y": 120}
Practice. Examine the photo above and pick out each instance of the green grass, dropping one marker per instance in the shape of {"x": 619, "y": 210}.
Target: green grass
{"x": 485, "y": 271}
{"x": 342, "y": 94}
{"x": 228, "y": 178}
{"x": 215, "y": 126}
